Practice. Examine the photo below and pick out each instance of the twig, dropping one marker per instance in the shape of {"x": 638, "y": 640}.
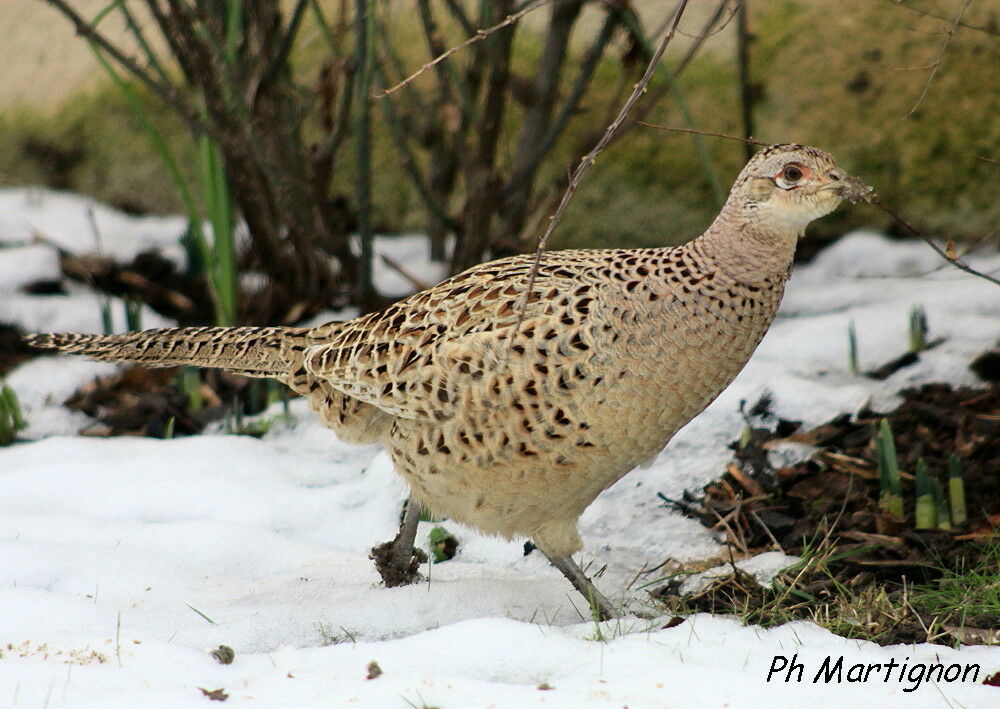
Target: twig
{"x": 937, "y": 62}
{"x": 478, "y": 36}
{"x": 931, "y": 271}
{"x": 589, "y": 158}
{"x": 672, "y": 129}
{"x": 167, "y": 92}
{"x": 281, "y": 56}
{"x": 587, "y": 67}
{"x": 743, "y": 70}
{"x": 459, "y": 14}
{"x": 707, "y": 31}
{"x": 925, "y": 13}
{"x": 453, "y": 88}
{"x": 401, "y": 270}
{"x": 941, "y": 252}
{"x": 872, "y": 199}
{"x": 410, "y": 162}
{"x": 364, "y": 55}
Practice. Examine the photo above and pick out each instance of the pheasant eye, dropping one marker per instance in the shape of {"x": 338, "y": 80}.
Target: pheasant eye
{"x": 792, "y": 173}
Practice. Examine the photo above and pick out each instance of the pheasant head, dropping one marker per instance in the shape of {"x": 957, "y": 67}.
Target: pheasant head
{"x": 787, "y": 186}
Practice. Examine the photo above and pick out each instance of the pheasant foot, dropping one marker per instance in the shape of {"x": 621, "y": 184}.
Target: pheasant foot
{"x": 398, "y": 562}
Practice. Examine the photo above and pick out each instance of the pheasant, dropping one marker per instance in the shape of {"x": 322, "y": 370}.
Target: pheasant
{"x": 512, "y": 411}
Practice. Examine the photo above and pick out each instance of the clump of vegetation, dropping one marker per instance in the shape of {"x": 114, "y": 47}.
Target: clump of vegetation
{"x": 955, "y": 603}
{"x": 11, "y": 420}
{"x": 444, "y": 544}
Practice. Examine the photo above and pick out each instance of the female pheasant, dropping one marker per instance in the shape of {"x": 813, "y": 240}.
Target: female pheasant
{"x": 511, "y": 411}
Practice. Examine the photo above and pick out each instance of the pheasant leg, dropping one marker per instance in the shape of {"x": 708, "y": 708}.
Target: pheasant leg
{"x": 598, "y": 603}
{"x": 398, "y": 562}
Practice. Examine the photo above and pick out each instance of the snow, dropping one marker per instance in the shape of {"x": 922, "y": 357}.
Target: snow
{"x": 107, "y": 546}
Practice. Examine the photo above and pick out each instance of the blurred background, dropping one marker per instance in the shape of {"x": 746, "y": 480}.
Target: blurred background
{"x": 266, "y": 124}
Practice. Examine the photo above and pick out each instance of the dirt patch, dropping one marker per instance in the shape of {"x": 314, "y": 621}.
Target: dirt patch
{"x": 760, "y": 502}
{"x": 159, "y": 403}
{"x": 13, "y": 351}
{"x": 391, "y": 573}
{"x": 816, "y": 493}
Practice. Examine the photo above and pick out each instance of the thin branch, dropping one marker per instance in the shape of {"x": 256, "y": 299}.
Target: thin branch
{"x": 743, "y": 70}
{"x": 364, "y": 23}
{"x": 572, "y": 101}
{"x": 418, "y": 283}
{"x": 325, "y": 28}
{"x": 925, "y": 13}
{"x": 940, "y": 252}
{"x": 707, "y": 31}
{"x": 453, "y": 88}
{"x": 459, "y": 14}
{"x": 872, "y": 199}
{"x": 478, "y": 36}
{"x": 692, "y": 131}
{"x": 140, "y": 38}
{"x": 634, "y": 26}
{"x": 167, "y": 92}
{"x": 326, "y": 148}
{"x": 390, "y": 54}
{"x": 589, "y": 158}
{"x": 410, "y": 162}
{"x": 937, "y": 62}
{"x": 280, "y": 57}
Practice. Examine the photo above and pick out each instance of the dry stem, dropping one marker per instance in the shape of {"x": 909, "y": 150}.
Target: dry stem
{"x": 480, "y": 34}
{"x": 589, "y": 158}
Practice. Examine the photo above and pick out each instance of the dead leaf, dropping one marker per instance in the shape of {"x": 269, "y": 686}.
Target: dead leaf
{"x": 216, "y": 695}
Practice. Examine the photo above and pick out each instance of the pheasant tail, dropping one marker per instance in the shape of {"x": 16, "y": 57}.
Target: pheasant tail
{"x": 254, "y": 351}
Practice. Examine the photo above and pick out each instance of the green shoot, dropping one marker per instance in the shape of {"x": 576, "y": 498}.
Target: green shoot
{"x": 220, "y": 260}
{"x": 918, "y": 329}
{"x": 189, "y": 383}
{"x": 444, "y": 545}
{"x": 852, "y": 348}
{"x": 956, "y": 490}
{"x": 926, "y": 509}
{"x": 107, "y": 324}
{"x": 168, "y": 432}
{"x": 133, "y": 314}
{"x": 11, "y": 420}
{"x": 200, "y": 613}
{"x": 427, "y": 516}
{"x": 943, "y": 518}
{"x": 890, "y": 483}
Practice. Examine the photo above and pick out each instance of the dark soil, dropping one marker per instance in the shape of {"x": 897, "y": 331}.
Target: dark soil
{"x": 793, "y": 505}
{"x": 392, "y": 574}
{"x": 833, "y": 498}
{"x": 13, "y": 351}
{"x": 142, "y": 402}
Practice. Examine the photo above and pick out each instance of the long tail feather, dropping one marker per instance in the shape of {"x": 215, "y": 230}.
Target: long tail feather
{"x": 260, "y": 351}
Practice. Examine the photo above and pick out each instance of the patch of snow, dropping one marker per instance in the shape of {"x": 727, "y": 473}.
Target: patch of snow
{"x": 763, "y": 567}
{"x": 789, "y": 453}
{"x": 63, "y": 218}
{"x": 412, "y": 253}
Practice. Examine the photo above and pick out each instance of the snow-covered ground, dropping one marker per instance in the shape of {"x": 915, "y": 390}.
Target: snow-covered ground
{"x": 123, "y": 562}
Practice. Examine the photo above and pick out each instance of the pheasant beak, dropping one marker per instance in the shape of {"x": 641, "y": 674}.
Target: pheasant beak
{"x": 848, "y": 187}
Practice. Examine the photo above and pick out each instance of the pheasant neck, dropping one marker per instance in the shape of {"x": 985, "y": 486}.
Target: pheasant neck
{"x": 749, "y": 245}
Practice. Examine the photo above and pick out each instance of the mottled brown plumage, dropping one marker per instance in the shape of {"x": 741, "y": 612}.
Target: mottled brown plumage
{"x": 514, "y": 422}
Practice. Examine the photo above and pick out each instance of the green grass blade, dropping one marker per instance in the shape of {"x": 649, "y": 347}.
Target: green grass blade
{"x": 852, "y": 348}
{"x": 925, "y": 514}
{"x": 956, "y": 490}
